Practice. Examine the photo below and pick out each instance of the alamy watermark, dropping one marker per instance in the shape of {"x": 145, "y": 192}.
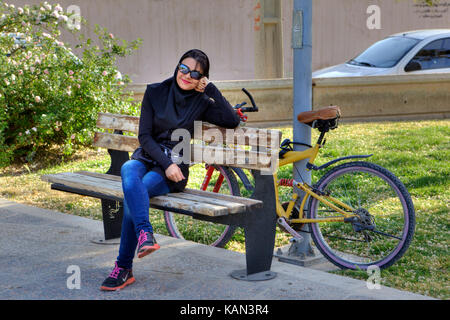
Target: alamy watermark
{"x": 214, "y": 153}
{"x": 74, "y": 20}
{"x": 374, "y": 19}
{"x": 374, "y": 280}
{"x": 74, "y": 280}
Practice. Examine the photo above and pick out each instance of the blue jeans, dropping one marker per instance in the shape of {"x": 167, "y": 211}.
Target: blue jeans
{"x": 138, "y": 185}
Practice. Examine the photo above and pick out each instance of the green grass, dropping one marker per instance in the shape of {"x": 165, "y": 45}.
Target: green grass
{"x": 417, "y": 152}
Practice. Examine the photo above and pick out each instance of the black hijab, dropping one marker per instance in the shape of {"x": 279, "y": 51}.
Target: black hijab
{"x": 175, "y": 107}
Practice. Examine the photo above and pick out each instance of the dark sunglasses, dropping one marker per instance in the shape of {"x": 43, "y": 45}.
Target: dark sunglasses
{"x": 184, "y": 69}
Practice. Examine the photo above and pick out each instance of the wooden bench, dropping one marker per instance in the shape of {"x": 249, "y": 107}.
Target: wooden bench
{"x": 257, "y": 214}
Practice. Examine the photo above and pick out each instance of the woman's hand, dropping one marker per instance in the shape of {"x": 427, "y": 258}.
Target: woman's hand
{"x": 202, "y": 83}
{"x": 173, "y": 172}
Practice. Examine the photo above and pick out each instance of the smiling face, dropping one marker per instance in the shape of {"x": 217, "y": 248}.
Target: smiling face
{"x": 184, "y": 81}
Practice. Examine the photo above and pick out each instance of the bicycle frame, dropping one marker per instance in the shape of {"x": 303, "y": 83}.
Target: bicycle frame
{"x": 335, "y": 204}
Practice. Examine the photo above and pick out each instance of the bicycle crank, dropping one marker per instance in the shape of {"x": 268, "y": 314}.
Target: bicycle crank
{"x": 283, "y": 223}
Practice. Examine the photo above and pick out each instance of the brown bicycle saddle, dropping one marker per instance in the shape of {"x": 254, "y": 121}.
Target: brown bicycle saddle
{"x": 327, "y": 113}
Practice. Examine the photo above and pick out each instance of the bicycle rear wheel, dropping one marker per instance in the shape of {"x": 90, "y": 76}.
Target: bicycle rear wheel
{"x": 387, "y": 221}
{"x": 185, "y": 227}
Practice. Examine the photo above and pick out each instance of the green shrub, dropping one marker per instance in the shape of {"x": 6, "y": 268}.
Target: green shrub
{"x": 48, "y": 95}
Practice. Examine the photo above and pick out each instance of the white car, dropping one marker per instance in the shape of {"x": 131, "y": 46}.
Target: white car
{"x": 412, "y": 52}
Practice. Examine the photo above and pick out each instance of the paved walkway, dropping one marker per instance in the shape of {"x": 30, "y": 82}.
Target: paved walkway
{"x": 41, "y": 252}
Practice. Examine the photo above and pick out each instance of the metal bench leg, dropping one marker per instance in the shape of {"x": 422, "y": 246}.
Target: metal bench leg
{"x": 260, "y": 227}
{"x": 113, "y": 210}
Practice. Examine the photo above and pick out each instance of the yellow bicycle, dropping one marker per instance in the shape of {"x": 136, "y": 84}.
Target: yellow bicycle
{"x": 359, "y": 214}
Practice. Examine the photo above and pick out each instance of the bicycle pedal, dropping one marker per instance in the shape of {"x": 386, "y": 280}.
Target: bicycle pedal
{"x": 287, "y": 227}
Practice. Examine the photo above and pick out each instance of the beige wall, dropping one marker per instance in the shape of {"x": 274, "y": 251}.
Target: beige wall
{"x": 425, "y": 96}
{"x": 168, "y": 28}
{"x": 228, "y": 31}
{"x": 361, "y": 99}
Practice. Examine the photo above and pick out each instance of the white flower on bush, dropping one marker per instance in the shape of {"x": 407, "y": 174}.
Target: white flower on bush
{"x": 20, "y": 10}
{"x": 34, "y": 129}
{"x": 27, "y": 132}
{"x": 62, "y": 17}
{"x": 7, "y": 82}
{"x": 105, "y": 73}
{"x": 47, "y": 6}
{"x": 58, "y": 8}
{"x": 37, "y": 99}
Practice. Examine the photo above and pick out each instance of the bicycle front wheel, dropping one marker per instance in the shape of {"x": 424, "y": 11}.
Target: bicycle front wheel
{"x": 183, "y": 226}
{"x": 386, "y": 221}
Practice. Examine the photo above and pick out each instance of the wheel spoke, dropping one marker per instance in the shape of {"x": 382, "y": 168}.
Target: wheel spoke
{"x": 386, "y": 234}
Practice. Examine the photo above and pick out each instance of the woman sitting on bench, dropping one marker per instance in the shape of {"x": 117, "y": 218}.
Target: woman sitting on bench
{"x": 172, "y": 104}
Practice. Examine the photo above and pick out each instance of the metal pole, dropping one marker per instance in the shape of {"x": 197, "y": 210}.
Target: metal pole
{"x": 302, "y": 46}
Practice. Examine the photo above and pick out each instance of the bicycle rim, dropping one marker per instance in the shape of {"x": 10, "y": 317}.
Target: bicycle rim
{"x": 213, "y": 234}
{"x": 377, "y": 195}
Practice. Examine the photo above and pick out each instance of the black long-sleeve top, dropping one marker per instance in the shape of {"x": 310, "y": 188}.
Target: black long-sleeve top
{"x": 155, "y": 130}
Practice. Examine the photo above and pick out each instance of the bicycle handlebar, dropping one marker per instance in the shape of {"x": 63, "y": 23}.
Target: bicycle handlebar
{"x": 253, "y": 108}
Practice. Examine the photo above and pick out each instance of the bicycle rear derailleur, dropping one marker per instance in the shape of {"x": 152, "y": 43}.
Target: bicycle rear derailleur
{"x": 361, "y": 222}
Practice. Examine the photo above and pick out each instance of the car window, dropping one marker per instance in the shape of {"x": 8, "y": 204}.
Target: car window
{"x": 385, "y": 53}
{"x": 435, "y": 55}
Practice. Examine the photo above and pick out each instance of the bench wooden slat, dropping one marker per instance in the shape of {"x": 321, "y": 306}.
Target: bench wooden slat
{"x": 204, "y": 154}
{"x": 233, "y": 207}
{"x": 241, "y": 136}
{"x": 111, "y": 185}
{"x": 247, "y": 202}
{"x": 230, "y": 157}
{"x": 101, "y": 175}
{"x": 115, "y": 141}
{"x": 118, "y": 122}
{"x": 247, "y": 136}
{"x": 80, "y": 181}
{"x": 206, "y": 209}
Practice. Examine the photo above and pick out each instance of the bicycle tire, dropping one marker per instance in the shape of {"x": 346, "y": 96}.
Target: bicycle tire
{"x": 392, "y": 212}
{"x": 185, "y": 227}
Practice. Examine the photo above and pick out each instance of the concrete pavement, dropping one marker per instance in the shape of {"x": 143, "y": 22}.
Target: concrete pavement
{"x": 49, "y": 255}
